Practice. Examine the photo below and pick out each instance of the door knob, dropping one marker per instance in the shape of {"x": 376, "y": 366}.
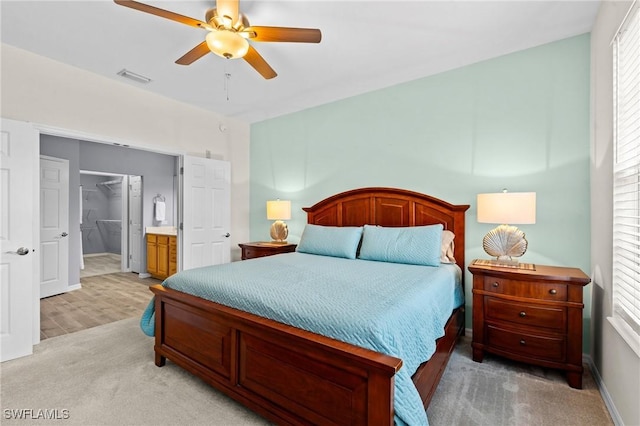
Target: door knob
{"x": 22, "y": 251}
{"x": 227, "y": 235}
{"x": 64, "y": 234}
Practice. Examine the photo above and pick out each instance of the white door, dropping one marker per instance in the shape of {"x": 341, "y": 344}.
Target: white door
{"x": 18, "y": 263}
{"x": 135, "y": 222}
{"x": 206, "y": 212}
{"x": 54, "y": 226}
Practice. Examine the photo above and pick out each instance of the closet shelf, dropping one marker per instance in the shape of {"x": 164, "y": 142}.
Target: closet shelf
{"x": 108, "y": 184}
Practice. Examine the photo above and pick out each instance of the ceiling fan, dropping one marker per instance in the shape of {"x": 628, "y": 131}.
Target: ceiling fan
{"x": 229, "y": 32}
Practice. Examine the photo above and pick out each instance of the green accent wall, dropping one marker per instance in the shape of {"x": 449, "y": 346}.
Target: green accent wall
{"x": 519, "y": 121}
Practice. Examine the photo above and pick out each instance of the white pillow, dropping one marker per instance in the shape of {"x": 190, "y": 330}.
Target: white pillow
{"x": 447, "y": 248}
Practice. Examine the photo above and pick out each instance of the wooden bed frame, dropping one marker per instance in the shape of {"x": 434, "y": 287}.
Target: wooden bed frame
{"x": 292, "y": 376}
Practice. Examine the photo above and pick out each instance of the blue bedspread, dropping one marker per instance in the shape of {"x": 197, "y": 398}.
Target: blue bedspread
{"x": 396, "y": 309}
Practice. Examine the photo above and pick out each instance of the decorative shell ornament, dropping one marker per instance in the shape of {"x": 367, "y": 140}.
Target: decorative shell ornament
{"x": 505, "y": 242}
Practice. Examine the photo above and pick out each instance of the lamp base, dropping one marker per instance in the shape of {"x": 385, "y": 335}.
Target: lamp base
{"x": 511, "y": 265}
{"x": 505, "y": 261}
{"x": 504, "y": 243}
{"x": 279, "y": 232}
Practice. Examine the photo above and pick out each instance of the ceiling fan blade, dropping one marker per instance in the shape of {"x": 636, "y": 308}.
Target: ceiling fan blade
{"x": 228, "y": 8}
{"x": 161, "y": 12}
{"x": 293, "y": 35}
{"x": 194, "y": 54}
{"x": 259, "y": 64}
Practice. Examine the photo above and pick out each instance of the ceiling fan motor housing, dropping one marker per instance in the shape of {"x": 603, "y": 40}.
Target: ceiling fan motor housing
{"x": 217, "y": 21}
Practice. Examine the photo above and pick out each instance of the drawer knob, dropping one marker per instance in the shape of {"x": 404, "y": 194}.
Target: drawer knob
{"x": 494, "y": 285}
{"x": 522, "y": 314}
{"x": 523, "y": 342}
{"x": 553, "y": 291}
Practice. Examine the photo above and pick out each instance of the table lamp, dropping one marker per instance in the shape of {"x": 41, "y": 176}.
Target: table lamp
{"x": 506, "y": 209}
{"x": 279, "y": 211}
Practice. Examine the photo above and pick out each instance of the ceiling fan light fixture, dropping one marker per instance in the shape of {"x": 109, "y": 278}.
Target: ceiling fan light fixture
{"x": 227, "y": 44}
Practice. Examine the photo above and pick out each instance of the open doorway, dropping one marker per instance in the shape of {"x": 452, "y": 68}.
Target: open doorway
{"x": 111, "y": 203}
{"x": 108, "y": 169}
{"x": 110, "y": 223}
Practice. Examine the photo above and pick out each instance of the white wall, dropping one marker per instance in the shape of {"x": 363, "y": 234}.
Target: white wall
{"x": 46, "y": 92}
{"x": 617, "y": 364}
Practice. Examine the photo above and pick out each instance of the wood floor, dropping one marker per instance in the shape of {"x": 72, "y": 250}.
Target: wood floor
{"x": 101, "y": 300}
{"x": 100, "y": 264}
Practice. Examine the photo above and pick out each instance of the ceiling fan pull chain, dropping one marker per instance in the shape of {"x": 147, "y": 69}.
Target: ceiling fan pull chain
{"x": 227, "y": 78}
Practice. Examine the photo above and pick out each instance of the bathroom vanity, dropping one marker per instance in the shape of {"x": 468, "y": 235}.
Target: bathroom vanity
{"x": 162, "y": 252}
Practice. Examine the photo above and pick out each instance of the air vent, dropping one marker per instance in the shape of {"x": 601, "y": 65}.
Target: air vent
{"x": 133, "y": 76}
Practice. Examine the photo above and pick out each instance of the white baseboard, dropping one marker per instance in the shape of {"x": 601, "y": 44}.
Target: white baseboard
{"x": 144, "y": 275}
{"x": 606, "y": 397}
{"x": 100, "y": 254}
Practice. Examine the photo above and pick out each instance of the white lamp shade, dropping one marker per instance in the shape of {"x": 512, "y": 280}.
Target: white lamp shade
{"x": 507, "y": 208}
{"x": 278, "y": 210}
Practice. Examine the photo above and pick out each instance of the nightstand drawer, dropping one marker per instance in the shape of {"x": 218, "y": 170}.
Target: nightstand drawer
{"x": 262, "y": 249}
{"x": 550, "y": 348}
{"x": 526, "y": 314}
{"x": 251, "y": 253}
{"x": 528, "y": 289}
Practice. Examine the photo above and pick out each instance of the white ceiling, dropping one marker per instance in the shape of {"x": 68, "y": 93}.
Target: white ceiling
{"x": 366, "y": 45}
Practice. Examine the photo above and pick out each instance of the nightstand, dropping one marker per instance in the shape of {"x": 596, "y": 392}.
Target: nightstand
{"x": 532, "y": 316}
{"x": 261, "y": 249}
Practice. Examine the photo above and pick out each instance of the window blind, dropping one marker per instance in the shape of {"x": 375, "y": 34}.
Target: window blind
{"x": 626, "y": 178}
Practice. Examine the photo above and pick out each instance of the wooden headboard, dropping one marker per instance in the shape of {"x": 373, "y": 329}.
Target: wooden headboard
{"x": 390, "y": 207}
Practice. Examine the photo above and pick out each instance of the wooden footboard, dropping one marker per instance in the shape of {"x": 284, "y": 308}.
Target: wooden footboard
{"x": 288, "y": 375}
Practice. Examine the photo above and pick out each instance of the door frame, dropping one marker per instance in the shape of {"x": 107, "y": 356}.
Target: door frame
{"x": 131, "y": 240}
{"x": 107, "y": 140}
{"x": 44, "y": 129}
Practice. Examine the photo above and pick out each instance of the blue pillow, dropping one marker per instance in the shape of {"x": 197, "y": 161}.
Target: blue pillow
{"x": 330, "y": 240}
{"x": 417, "y": 245}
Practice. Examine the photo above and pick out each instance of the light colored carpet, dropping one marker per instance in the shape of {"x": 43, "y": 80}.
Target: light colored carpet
{"x": 503, "y": 392}
{"x": 106, "y": 376}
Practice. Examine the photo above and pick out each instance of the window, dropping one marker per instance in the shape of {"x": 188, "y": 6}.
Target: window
{"x": 626, "y": 179}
